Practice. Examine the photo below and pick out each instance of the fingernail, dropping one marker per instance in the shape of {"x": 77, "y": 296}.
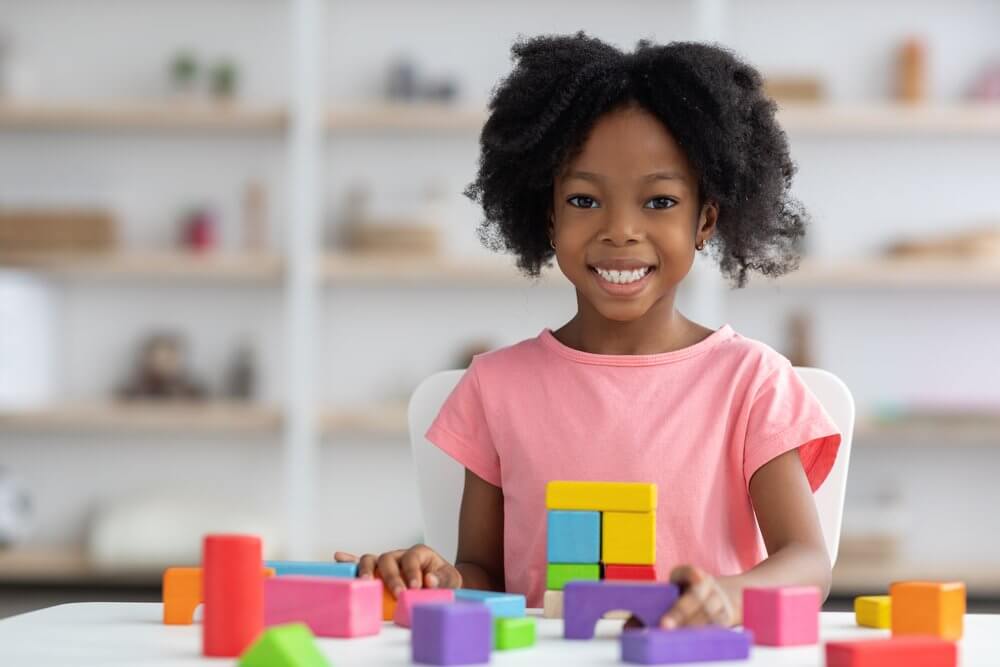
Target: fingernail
{"x": 414, "y": 583}
{"x": 397, "y": 590}
{"x": 366, "y": 576}
{"x": 432, "y": 581}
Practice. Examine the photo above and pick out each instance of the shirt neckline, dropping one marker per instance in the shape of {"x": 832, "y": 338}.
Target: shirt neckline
{"x": 720, "y": 335}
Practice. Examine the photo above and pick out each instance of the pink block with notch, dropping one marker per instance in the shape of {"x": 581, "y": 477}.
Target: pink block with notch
{"x": 782, "y": 616}
{"x": 414, "y": 596}
{"x": 331, "y": 607}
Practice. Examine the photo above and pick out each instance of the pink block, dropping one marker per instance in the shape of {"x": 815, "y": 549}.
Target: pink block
{"x": 414, "y": 596}
{"x": 331, "y": 607}
{"x": 784, "y": 616}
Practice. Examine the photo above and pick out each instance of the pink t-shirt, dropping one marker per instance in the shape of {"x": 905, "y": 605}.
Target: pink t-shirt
{"x": 698, "y": 422}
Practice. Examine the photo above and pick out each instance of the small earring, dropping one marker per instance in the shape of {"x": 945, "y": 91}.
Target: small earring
{"x": 552, "y": 243}
{"x": 699, "y": 246}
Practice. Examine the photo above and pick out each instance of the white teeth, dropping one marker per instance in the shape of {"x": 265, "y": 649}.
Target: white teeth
{"x": 623, "y": 277}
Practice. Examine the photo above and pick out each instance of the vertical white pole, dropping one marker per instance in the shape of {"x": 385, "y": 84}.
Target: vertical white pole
{"x": 302, "y": 284}
{"x": 709, "y": 20}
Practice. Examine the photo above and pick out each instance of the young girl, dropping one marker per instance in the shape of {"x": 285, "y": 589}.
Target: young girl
{"x": 622, "y": 166}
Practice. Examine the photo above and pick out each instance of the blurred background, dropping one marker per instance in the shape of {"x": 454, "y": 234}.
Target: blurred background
{"x": 233, "y": 240}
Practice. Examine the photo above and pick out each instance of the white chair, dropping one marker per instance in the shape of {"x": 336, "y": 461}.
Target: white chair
{"x": 440, "y": 479}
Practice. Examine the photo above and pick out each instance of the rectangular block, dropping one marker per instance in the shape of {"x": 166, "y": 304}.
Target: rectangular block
{"x": 892, "y": 652}
{"x": 586, "y": 602}
{"x": 615, "y": 572}
{"x": 233, "y": 594}
{"x": 873, "y": 611}
{"x": 782, "y": 616}
{"x": 412, "y": 597}
{"x": 451, "y": 634}
{"x": 574, "y": 537}
{"x": 291, "y": 645}
{"x": 559, "y": 574}
{"x": 928, "y": 608}
{"x": 628, "y": 538}
{"x": 313, "y": 568}
{"x": 695, "y": 644}
{"x": 330, "y": 606}
{"x": 501, "y": 605}
{"x": 388, "y": 604}
{"x": 600, "y": 496}
{"x": 512, "y": 633}
{"x": 552, "y": 604}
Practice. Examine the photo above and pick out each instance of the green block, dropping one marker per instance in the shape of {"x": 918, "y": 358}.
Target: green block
{"x": 511, "y": 633}
{"x": 560, "y": 573}
{"x": 290, "y": 645}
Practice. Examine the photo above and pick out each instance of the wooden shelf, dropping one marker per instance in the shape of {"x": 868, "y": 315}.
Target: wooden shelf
{"x": 153, "y": 115}
{"x": 65, "y": 566}
{"x": 891, "y": 274}
{"x": 852, "y": 578}
{"x": 891, "y": 119}
{"x": 929, "y": 431}
{"x": 406, "y": 117}
{"x": 405, "y": 270}
{"x": 387, "y": 420}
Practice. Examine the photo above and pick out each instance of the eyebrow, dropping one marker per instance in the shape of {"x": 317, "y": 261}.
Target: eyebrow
{"x": 655, "y": 176}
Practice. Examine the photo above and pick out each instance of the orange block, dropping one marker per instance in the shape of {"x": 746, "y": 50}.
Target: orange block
{"x": 388, "y": 602}
{"x": 928, "y": 608}
{"x": 182, "y": 593}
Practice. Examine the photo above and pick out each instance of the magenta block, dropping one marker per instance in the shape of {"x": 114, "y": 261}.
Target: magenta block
{"x": 451, "y": 634}
{"x": 330, "y": 607}
{"x": 414, "y": 596}
{"x": 783, "y": 616}
{"x": 585, "y": 602}
{"x": 667, "y": 647}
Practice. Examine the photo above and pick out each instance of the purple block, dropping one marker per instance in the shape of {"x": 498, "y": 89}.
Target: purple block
{"x": 451, "y": 634}
{"x": 585, "y": 602}
{"x": 702, "y": 644}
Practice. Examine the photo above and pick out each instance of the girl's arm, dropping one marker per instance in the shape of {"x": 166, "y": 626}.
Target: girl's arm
{"x": 480, "y": 535}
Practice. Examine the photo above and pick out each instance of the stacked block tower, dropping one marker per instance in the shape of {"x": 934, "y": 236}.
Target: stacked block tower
{"x": 598, "y": 530}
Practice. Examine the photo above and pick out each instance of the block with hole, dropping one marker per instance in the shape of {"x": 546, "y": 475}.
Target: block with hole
{"x": 586, "y": 602}
{"x": 182, "y": 593}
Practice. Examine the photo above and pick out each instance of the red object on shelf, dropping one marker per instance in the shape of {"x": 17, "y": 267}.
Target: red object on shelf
{"x": 200, "y": 231}
{"x": 233, "y": 594}
{"x": 894, "y": 652}
{"x": 630, "y": 572}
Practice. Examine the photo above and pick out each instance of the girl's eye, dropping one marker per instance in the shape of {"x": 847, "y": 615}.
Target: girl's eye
{"x": 582, "y": 201}
{"x": 660, "y": 202}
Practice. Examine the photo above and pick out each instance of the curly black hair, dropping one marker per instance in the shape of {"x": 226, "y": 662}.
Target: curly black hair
{"x": 712, "y": 103}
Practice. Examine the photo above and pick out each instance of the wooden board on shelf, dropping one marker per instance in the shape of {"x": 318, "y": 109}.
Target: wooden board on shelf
{"x": 381, "y": 268}
{"x": 381, "y": 420}
{"x": 891, "y": 273}
{"x": 176, "y": 265}
{"x": 891, "y": 119}
{"x": 857, "y": 578}
{"x": 406, "y": 116}
{"x": 65, "y": 566}
{"x": 151, "y": 114}
{"x": 916, "y": 431}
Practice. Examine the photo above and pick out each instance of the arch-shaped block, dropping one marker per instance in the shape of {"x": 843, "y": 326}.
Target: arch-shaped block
{"x": 585, "y": 602}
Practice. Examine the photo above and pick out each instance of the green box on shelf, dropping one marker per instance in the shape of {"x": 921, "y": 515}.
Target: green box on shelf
{"x": 560, "y": 573}
{"x": 510, "y": 633}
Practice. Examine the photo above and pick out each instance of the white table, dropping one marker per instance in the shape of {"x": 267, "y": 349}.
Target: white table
{"x": 116, "y": 633}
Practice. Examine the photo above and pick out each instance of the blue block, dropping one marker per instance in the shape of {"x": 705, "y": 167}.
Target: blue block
{"x": 574, "y": 537}
{"x": 313, "y": 569}
{"x": 501, "y": 605}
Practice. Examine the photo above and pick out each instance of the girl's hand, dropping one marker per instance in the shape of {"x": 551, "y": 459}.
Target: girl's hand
{"x": 416, "y": 567}
{"x": 704, "y": 600}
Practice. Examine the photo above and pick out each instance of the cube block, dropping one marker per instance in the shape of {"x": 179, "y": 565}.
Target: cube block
{"x": 684, "y": 645}
{"x": 511, "y": 633}
{"x": 873, "y": 611}
{"x": 451, "y": 634}
{"x": 782, "y": 616}
{"x": 412, "y": 597}
{"x": 552, "y": 604}
{"x": 893, "y": 652}
{"x": 501, "y": 605}
{"x": 313, "y": 568}
{"x": 630, "y": 572}
{"x": 574, "y": 537}
{"x": 600, "y": 496}
{"x": 291, "y": 645}
{"x": 928, "y": 608}
{"x": 585, "y": 602}
{"x": 559, "y": 574}
{"x": 628, "y": 538}
{"x": 330, "y": 606}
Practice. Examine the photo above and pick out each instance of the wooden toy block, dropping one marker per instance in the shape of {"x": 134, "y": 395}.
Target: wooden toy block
{"x": 388, "y": 603}
{"x": 511, "y": 633}
{"x": 558, "y": 574}
{"x": 291, "y": 645}
{"x": 574, "y": 537}
{"x": 552, "y": 604}
{"x": 233, "y": 594}
{"x": 585, "y": 602}
{"x": 630, "y": 572}
{"x": 600, "y": 496}
{"x": 412, "y": 597}
{"x": 873, "y": 611}
{"x": 313, "y": 568}
{"x": 182, "y": 593}
{"x": 330, "y": 606}
{"x": 652, "y": 646}
{"x": 928, "y": 608}
{"x": 782, "y": 616}
{"x": 628, "y": 538}
{"x": 892, "y": 652}
{"x": 501, "y": 605}
{"x": 451, "y": 634}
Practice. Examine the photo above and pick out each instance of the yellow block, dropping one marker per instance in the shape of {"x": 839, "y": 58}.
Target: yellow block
{"x": 601, "y": 496}
{"x": 873, "y": 611}
{"x": 628, "y": 538}
{"x": 928, "y": 608}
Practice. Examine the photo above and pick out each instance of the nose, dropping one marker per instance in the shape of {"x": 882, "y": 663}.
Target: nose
{"x": 621, "y": 228}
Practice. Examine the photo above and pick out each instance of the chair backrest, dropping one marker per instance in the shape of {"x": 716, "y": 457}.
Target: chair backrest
{"x": 440, "y": 479}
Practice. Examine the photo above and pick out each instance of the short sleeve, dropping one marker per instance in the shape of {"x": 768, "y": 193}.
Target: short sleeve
{"x": 786, "y": 415}
{"x": 461, "y": 431}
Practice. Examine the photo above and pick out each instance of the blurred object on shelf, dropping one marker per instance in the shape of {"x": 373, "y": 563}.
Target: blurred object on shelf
{"x": 184, "y": 73}
{"x": 36, "y": 229}
{"x": 404, "y": 83}
{"x": 364, "y": 231}
{"x": 224, "y": 78}
{"x": 17, "y": 80}
{"x": 795, "y": 89}
{"x": 939, "y": 413}
{"x": 255, "y": 237}
{"x": 200, "y": 230}
{"x": 983, "y": 242}
{"x": 191, "y": 78}
{"x": 152, "y": 532}
{"x": 241, "y": 377}
{"x": 160, "y": 371}
{"x": 911, "y": 71}
{"x": 800, "y": 340}
{"x": 15, "y": 510}
{"x": 468, "y": 350}
{"x": 986, "y": 88}
{"x": 874, "y": 529}
{"x": 27, "y": 340}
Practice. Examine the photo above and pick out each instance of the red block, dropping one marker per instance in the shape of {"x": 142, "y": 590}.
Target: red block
{"x": 630, "y": 572}
{"x": 911, "y": 651}
{"x": 233, "y": 594}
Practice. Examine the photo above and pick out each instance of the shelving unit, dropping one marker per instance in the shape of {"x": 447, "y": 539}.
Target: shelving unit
{"x": 66, "y": 565}
{"x": 151, "y": 115}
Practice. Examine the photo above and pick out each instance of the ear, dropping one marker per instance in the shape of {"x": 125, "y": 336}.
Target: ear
{"x": 707, "y": 220}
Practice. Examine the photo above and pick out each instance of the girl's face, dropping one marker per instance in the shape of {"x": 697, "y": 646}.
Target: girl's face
{"x": 625, "y": 216}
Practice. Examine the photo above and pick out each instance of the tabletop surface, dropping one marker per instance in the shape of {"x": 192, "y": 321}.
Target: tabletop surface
{"x": 129, "y": 633}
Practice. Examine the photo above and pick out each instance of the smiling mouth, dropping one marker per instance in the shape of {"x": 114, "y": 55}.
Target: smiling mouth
{"x": 622, "y": 277}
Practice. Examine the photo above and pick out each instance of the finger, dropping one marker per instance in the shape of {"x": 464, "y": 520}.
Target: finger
{"x": 446, "y": 576}
{"x": 366, "y": 566}
{"x": 344, "y": 557}
{"x": 717, "y": 610}
{"x": 388, "y": 567}
{"x": 678, "y": 615}
{"x": 413, "y": 563}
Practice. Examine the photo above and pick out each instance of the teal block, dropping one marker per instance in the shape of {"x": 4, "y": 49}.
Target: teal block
{"x": 501, "y": 605}
{"x": 313, "y": 568}
{"x": 574, "y": 537}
